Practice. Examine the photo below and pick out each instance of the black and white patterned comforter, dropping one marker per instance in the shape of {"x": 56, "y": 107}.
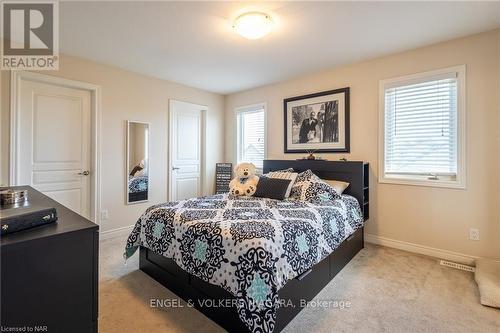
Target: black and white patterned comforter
{"x": 249, "y": 246}
{"x": 137, "y": 184}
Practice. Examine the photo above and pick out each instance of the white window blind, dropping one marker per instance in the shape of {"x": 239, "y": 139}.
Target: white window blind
{"x": 251, "y": 135}
{"x": 421, "y": 127}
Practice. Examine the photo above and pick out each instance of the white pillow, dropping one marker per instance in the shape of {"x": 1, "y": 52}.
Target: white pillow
{"x": 284, "y": 175}
{"x": 337, "y": 185}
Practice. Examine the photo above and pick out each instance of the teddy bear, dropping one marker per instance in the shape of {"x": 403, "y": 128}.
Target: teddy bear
{"x": 245, "y": 181}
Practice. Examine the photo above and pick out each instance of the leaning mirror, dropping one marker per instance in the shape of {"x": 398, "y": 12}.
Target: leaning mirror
{"x": 137, "y": 161}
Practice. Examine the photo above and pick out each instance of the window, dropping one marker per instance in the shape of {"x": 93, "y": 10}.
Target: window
{"x": 422, "y": 117}
{"x": 251, "y": 131}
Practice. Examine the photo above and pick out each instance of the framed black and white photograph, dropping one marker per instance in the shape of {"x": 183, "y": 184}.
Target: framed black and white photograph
{"x": 317, "y": 122}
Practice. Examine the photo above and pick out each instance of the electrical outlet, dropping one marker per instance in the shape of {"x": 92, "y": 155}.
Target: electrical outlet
{"x": 474, "y": 234}
{"x": 104, "y": 214}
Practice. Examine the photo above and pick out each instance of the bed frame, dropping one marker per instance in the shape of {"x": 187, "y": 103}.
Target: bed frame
{"x": 137, "y": 196}
{"x": 304, "y": 287}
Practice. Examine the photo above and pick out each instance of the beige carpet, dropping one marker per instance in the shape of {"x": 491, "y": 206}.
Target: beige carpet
{"x": 389, "y": 291}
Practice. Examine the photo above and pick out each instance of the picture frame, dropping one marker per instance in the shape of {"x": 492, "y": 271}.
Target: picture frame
{"x": 317, "y": 122}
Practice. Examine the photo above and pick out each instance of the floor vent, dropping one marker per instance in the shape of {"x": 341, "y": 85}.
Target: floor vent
{"x": 458, "y": 266}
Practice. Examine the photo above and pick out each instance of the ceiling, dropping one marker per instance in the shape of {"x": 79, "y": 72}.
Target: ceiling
{"x": 192, "y": 42}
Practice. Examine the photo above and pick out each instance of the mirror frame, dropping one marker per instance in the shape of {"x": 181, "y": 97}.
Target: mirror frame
{"x": 127, "y": 161}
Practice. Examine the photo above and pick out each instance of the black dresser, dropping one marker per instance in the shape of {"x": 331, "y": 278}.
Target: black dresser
{"x": 49, "y": 276}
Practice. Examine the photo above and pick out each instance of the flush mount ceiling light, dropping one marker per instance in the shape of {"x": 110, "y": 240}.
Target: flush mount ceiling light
{"x": 253, "y": 25}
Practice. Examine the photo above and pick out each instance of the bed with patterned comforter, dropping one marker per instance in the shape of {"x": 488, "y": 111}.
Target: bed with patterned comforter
{"x": 249, "y": 246}
{"x": 137, "y": 184}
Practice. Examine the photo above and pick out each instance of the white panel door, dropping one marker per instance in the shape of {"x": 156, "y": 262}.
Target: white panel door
{"x": 185, "y": 150}
{"x": 54, "y": 146}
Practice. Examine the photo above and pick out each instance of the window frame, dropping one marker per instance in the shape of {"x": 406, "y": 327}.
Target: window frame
{"x": 248, "y": 109}
{"x": 423, "y": 180}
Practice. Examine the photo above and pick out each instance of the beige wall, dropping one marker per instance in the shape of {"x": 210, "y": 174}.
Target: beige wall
{"x": 127, "y": 95}
{"x": 4, "y": 126}
{"x": 433, "y": 217}
{"x": 498, "y": 130}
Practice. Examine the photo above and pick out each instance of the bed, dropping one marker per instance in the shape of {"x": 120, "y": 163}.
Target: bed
{"x": 137, "y": 188}
{"x": 251, "y": 264}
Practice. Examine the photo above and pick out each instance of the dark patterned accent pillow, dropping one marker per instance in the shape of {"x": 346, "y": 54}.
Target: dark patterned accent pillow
{"x": 300, "y": 181}
{"x": 272, "y": 188}
{"x": 309, "y": 187}
{"x": 319, "y": 192}
{"x": 296, "y": 191}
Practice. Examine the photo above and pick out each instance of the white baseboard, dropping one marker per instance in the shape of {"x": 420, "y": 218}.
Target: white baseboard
{"x": 421, "y": 249}
{"x": 124, "y": 231}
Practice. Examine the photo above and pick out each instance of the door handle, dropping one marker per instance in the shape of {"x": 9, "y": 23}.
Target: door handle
{"x": 175, "y": 168}
{"x": 84, "y": 173}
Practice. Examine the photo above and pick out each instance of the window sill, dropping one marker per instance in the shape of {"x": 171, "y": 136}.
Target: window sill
{"x": 442, "y": 183}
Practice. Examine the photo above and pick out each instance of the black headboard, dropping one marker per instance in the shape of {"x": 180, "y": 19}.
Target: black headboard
{"x": 353, "y": 172}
